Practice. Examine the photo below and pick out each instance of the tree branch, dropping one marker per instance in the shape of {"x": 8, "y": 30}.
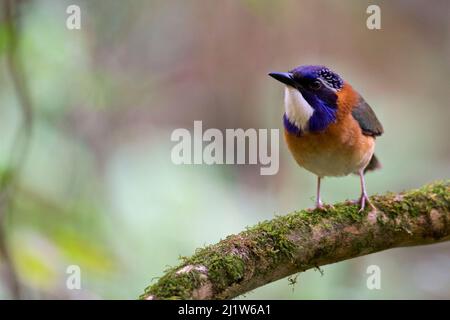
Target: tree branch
{"x": 293, "y": 243}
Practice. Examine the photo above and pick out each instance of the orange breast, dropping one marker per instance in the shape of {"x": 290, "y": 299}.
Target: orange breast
{"x": 339, "y": 150}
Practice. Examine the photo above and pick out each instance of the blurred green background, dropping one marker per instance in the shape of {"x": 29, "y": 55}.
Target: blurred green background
{"x": 98, "y": 188}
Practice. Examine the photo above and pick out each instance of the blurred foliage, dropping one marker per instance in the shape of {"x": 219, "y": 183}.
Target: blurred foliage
{"x": 99, "y": 190}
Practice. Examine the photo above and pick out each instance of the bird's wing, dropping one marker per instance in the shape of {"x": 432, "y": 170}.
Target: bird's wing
{"x": 367, "y": 119}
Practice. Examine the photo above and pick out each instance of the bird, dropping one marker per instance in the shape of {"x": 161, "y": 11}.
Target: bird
{"x": 328, "y": 126}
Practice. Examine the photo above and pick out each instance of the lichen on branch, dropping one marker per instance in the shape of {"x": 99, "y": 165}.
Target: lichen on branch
{"x": 307, "y": 239}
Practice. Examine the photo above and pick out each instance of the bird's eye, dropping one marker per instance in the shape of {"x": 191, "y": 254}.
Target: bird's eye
{"x": 315, "y": 85}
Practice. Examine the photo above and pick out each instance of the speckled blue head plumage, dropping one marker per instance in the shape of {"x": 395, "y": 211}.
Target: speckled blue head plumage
{"x": 313, "y": 72}
{"x": 319, "y": 86}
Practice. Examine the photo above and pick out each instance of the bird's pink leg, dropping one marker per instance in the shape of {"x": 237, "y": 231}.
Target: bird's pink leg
{"x": 364, "y": 198}
{"x": 319, "y": 204}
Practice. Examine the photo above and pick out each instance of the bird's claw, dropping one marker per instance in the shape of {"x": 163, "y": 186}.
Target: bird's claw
{"x": 324, "y": 207}
{"x": 352, "y": 202}
{"x": 365, "y": 200}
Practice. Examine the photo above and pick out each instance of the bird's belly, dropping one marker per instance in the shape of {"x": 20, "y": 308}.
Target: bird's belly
{"x": 331, "y": 153}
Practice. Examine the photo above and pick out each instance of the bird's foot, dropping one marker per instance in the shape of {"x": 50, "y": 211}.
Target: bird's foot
{"x": 321, "y": 206}
{"x": 363, "y": 201}
{"x": 352, "y": 202}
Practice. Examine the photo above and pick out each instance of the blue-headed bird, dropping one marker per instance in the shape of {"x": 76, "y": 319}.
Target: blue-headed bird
{"x": 328, "y": 127}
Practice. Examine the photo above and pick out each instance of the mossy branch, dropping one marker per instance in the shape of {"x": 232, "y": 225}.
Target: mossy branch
{"x": 293, "y": 243}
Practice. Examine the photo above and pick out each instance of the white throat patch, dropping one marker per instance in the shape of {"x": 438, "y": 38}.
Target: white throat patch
{"x": 298, "y": 110}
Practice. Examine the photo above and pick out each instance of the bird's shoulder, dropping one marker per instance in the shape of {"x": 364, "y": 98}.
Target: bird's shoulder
{"x": 352, "y": 102}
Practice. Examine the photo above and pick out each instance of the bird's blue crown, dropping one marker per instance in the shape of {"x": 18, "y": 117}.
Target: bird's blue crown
{"x": 318, "y": 86}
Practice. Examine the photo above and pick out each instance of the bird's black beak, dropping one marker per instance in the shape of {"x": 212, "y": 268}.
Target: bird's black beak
{"x": 284, "y": 77}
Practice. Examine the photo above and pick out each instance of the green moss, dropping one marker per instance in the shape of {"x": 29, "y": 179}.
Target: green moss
{"x": 174, "y": 286}
{"x": 223, "y": 268}
{"x": 416, "y": 202}
{"x": 272, "y": 240}
{"x": 268, "y": 244}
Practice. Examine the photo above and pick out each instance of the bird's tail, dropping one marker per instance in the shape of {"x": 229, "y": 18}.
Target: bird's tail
{"x": 374, "y": 164}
